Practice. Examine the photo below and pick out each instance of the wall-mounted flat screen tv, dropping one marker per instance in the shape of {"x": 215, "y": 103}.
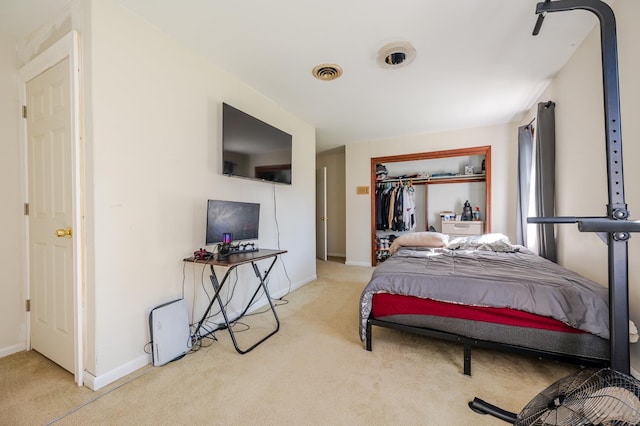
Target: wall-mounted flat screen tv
{"x": 239, "y": 219}
{"x": 254, "y": 149}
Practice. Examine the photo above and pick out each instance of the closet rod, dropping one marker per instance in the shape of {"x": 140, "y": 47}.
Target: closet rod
{"x": 436, "y": 179}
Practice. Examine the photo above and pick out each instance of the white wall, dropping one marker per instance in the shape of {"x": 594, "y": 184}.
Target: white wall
{"x": 12, "y": 297}
{"x": 581, "y": 183}
{"x": 503, "y": 141}
{"x": 154, "y": 161}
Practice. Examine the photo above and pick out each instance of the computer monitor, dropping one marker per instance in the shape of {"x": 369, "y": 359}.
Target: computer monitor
{"x": 239, "y": 219}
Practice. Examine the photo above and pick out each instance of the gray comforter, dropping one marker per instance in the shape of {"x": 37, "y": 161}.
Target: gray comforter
{"x": 518, "y": 280}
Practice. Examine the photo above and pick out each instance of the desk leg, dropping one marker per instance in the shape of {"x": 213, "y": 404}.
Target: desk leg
{"x": 216, "y": 296}
{"x": 273, "y": 309}
{"x": 217, "y": 286}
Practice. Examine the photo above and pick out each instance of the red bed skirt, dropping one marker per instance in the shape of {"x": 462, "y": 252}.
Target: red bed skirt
{"x": 385, "y": 304}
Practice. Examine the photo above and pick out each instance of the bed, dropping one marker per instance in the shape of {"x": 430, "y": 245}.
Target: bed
{"x": 485, "y": 292}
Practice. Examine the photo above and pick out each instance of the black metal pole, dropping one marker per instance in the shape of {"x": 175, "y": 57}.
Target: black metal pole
{"x": 616, "y": 208}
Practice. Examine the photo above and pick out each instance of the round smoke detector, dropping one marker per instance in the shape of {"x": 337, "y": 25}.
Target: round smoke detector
{"x": 397, "y": 54}
{"x": 327, "y": 72}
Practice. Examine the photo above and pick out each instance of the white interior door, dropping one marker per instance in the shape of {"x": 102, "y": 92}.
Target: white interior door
{"x": 50, "y": 163}
{"x": 321, "y": 213}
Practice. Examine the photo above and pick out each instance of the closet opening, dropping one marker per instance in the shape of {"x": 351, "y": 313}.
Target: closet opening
{"x": 434, "y": 186}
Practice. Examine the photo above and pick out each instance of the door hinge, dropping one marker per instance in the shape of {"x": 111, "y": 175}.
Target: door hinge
{"x": 26, "y": 209}
{"x": 28, "y": 305}
{"x": 24, "y": 111}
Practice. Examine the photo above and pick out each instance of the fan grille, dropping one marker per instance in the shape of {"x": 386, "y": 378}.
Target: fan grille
{"x": 588, "y": 397}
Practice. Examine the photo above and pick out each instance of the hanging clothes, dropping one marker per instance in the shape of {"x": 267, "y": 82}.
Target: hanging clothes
{"x": 380, "y": 207}
{"x": 383, "y": 202}
{"x": 409, "y": 211}
{"x": 392, "y": 207}
{"x": 395, "y": 207}
{"x": 397, "y": 223}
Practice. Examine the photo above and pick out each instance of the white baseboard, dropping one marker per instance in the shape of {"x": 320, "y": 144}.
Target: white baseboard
{"x": 337, "y": 254}
{"x": 353, "y": 263}
{"x": 300, "y": 284}
{"x": 98, "y": 382}
{"x": 9, "y": 350}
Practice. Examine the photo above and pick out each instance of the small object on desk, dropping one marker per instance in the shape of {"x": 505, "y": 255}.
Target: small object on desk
{"x": 226, "y": 250}
{"x": 202, "y": 254}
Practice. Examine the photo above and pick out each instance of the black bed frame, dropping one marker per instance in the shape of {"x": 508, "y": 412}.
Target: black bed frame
{"x": 469, "y": 342}
{"x": 614, "y": 229}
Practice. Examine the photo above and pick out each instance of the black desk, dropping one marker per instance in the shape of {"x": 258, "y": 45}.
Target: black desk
{"x": 231, "y": 262}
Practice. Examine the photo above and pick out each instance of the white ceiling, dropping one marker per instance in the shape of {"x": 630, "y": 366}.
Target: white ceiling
{"x": 477, "y": 63}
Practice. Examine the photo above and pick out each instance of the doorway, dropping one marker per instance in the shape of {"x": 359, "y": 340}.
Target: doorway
{"x": 330, "y": 193}
{"x": 51, "y": 134}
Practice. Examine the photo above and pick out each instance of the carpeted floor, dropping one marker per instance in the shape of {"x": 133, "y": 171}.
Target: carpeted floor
{"x": 314, "y": 371}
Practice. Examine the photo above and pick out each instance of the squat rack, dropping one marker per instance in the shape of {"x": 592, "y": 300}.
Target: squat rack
{"x": 614, "y": 229}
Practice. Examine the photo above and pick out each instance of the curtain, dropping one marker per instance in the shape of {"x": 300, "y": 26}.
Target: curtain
{"x": 545, "y": 177}
{"x": 525, "y": 152}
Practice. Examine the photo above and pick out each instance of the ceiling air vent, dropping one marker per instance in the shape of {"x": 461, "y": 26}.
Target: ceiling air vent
{"x": 327, "y": 72}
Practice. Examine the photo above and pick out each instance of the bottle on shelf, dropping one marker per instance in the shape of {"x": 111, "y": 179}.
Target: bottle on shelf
{"x": 467, "y": 213}
{"x": 476, "y": 214}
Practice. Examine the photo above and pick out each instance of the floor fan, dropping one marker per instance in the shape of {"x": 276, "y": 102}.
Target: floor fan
{"x": 588, "y": 397}
{"x": 607, "y": 396}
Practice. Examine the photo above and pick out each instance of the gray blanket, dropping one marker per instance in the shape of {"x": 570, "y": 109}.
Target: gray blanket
{"x": 519, "y": 280}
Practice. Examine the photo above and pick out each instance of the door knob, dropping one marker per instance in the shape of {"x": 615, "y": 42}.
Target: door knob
{"x": 64, "y": 232}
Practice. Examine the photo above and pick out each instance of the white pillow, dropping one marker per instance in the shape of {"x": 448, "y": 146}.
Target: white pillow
{"x": 419, "y": 239}
{"x": 489, "y": 242}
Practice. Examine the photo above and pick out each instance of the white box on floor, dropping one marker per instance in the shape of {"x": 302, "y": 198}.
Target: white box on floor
{"x": 170, "y": 334}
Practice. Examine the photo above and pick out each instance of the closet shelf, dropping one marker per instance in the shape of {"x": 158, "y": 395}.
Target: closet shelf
{"x": 433, "y": 179}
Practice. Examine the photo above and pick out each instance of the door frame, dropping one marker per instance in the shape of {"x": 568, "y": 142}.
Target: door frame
{"x": 321, "y": 201}
{"x": 67, "y": 47}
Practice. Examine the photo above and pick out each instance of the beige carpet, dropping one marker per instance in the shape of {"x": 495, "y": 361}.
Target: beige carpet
{"x": 313, "y": 372}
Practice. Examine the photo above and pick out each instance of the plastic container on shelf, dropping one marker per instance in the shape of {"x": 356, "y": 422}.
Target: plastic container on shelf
{"x": 476, "y": 214}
